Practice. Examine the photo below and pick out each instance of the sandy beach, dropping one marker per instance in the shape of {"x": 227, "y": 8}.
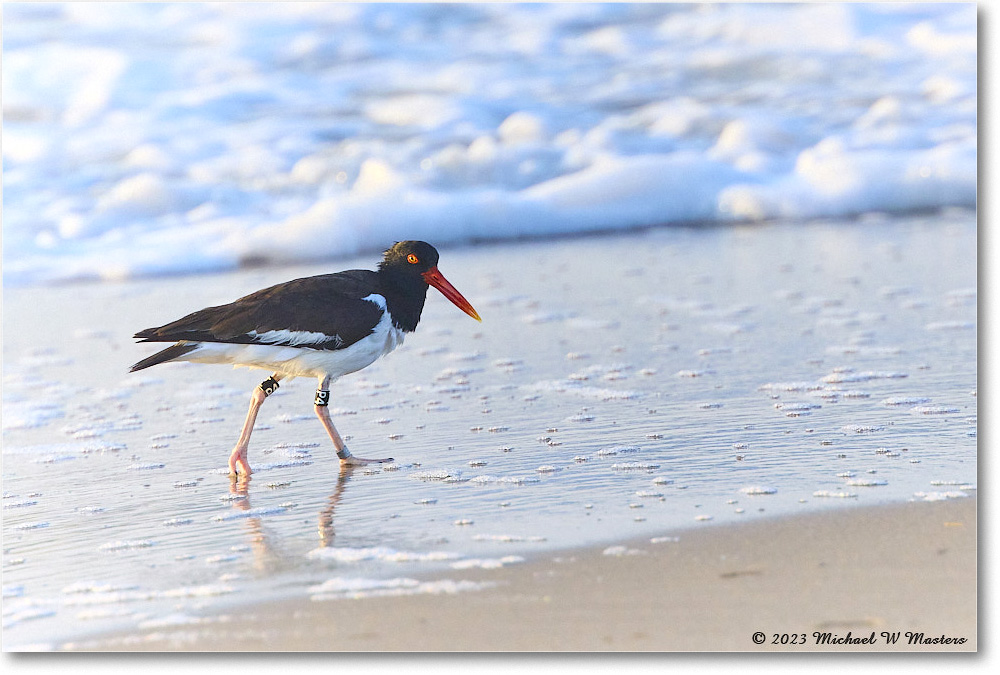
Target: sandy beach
{"x": 724, "y": 396}
{"x": 851, "y": 574}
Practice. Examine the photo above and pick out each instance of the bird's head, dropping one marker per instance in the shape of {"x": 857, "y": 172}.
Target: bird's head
{"x": 417, "y": 260}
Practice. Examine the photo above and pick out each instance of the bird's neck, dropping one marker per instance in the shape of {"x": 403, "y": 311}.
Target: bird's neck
{"x": 404, "y": 300}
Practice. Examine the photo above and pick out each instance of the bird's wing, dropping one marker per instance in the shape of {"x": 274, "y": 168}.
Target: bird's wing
{"x": 322, "y": 312}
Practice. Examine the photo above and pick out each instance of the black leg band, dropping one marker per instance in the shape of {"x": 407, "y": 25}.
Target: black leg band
{"x": 344, "y": 454}
{"x": 322, "y": 397}
{"x": 269, "y": 386}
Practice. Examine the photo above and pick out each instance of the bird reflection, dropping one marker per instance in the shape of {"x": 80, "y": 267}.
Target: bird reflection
{"x": 267, "y": 557}
{"x": 326, "y": 531}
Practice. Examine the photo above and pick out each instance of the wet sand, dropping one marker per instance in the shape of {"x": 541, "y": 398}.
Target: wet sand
{"x": 852, "y": 573}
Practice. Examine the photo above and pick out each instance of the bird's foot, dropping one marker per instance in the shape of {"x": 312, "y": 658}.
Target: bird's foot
{"x": 352, "y": 461}
{"x": 349, "y": 460}
{"x": 238, "y": 463}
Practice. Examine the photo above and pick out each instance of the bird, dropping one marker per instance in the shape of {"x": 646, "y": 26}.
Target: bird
{"x": 323, "y": 326}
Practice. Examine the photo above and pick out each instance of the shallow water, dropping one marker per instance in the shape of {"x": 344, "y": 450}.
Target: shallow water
{"x": 619, "y": 386}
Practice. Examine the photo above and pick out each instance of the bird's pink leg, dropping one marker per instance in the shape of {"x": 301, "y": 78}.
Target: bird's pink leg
{"x": 321, "y": 404}
{"x": 238, "y": 457}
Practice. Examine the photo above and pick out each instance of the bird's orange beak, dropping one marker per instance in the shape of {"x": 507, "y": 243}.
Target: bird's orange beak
{"x": 434, "y": 278}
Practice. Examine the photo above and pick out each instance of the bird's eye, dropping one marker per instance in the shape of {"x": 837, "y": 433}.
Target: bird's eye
{"x": 412, "y": 259}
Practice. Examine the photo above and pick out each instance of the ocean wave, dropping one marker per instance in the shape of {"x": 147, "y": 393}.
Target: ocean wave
{"x": 147, "y": 139}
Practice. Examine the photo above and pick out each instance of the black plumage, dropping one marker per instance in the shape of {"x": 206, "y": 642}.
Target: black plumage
{"x": 332, "y": 305}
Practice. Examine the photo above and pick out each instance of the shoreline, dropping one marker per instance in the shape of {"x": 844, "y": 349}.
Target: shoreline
{"x": 234, "y": 569}
{"x": 854, "y": 573}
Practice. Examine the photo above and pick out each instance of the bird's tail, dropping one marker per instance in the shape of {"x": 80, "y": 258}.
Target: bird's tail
{"x": 172, "y": 352}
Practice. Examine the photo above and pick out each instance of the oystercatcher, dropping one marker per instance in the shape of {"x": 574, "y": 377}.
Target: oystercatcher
{"x": 323, "y": 326}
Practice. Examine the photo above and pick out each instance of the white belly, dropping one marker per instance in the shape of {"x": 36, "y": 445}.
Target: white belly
{"x": 301, "y": 361}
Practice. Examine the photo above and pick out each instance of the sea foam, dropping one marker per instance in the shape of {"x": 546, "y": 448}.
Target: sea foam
{"x": 550, "y": 121}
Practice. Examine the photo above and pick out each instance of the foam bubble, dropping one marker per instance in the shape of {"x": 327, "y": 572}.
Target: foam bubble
{"x": 619, "y": 551}
{"x": 510, "y": 480}
{"x": 933, "y": 410}
{"x": 613, "y": 450}
{"x": 894, "y": 401}
{"x": 864, "y": 376}
{"x": 634, "y": 466}
{"x": 938, "y": 496}
{"x": 866, "y": 482}
{"x": 127, "y": 545}
{"x": 357, "y": 588}
{"x": 758, "y": 490}
{"x": 486, "y": 563}
{"x": 255, "y": 512}
{"x": 861, "y": 428}
{"x": 378, "y": 553}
